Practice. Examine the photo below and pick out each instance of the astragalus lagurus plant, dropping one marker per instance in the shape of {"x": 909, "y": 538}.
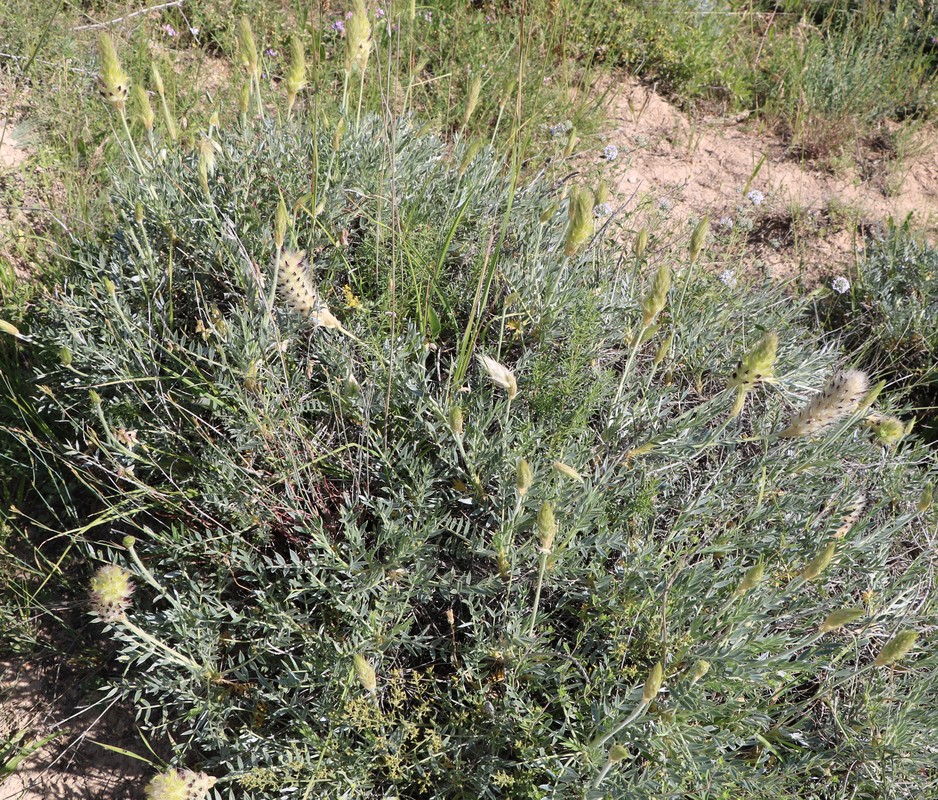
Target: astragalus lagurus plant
{"x": 477, "y": 538}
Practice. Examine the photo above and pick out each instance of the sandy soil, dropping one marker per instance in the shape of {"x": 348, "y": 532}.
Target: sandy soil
{"x": 74, "y": 766}
{"x": 809, "y": 222}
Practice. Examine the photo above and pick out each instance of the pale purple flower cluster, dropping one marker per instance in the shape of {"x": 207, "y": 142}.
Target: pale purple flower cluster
{"x": 610, "y": 152}
{"x": 270, "y": 53}
{"x": 602, "y": 210}
{"x": 338, "y": 25}
{"x": 756, "y": 197}
{"x": 726, "y": 223}
{"x": 728, "y": 279}
{"x": 840, "y": 284}
{"x": 169, "y": 30}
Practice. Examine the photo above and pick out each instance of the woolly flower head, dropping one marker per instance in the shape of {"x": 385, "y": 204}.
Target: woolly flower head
{"x": 840, "y": 396}
{"x": 298, "y": 291}
{"x": 111, "y": 590}
{"x": 500, "y": 375}
{"x": 840, "y": 284}
{"x": 728, "y": 279}
{"x": 610, "y": 152}
{"x": 179, "y": 784}
{"x": 756, "y": 197}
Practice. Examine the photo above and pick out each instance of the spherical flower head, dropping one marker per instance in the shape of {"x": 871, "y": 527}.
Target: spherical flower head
{"x": 610, "y": 152}
{"x": 728, "y": 279}
{"x": 756, "y": 197}
{"x": 840, "y": 284}
{"x": 179, "y": 784}
{"x": 338, "y": 26}
{"x": 111, "y": 590}
{"x": 726, "y": 223}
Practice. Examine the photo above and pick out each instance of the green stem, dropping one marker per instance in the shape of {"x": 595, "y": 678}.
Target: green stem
{"x": 542, "y": 568}
{"x": 636, "y": 713}
{"x": 182, "y": 660}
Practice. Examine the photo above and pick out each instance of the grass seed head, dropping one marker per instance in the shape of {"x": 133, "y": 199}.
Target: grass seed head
{"x": 841, "y": 617}
{"x": 247, "y": 47}
{"x": 357, "y": 39}
{"x": 296, "y": 75}
{"x": 926, "y": 498}
{"x": 819, "y": 563}
{"x": 470, "y": 155}
{"x": 111, "y": 590}
{"x": 113, "y": 82}
{"x": 641, "y": 244}
{"x": 472, "y": 99}
{"x": 657, "y": 297}
{"x": 365, "y": 673}
{"x": 157, "y": 79}
{"x": 699, "y": 238}
{"x": 839, "y": 398}
{"x": 580, "y": 215}
{"x": 144, "y": 111}
{"x": 500, "y": 375}
{"x": 896, "y": 648}
{"x": 572, "y": 141}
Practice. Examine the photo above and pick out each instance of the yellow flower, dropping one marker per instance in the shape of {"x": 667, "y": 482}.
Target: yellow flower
{"x": 351, "y": 300}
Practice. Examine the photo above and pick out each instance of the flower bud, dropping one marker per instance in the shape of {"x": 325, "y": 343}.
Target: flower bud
{"x": 365, "y": 673}
{"x": 700, "y": 669}
{"x": 841, "y": 617}
{"x": 456, "y": 420}
{"x": 819, "y": 563}
{"x": 546, "y": 527}
{"x": 653, "y": 683}
{"x": 567, "y": 471}
{"x": 523, "y": 477}
{"x": 750, "y": 580}
{"x": 896, "y": 648}
{"x": 617, "y": 753}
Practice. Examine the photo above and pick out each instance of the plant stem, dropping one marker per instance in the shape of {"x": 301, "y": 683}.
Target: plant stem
{"x": 542, "y": 568}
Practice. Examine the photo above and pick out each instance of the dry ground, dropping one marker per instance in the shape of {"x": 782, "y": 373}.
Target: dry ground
{"x": 811, "y": 221}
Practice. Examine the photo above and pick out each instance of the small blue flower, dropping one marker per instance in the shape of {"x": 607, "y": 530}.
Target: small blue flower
{"x": 756, "y": 197}
{"x": 610, "y": 152}
{"x": 728, "y": 279}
